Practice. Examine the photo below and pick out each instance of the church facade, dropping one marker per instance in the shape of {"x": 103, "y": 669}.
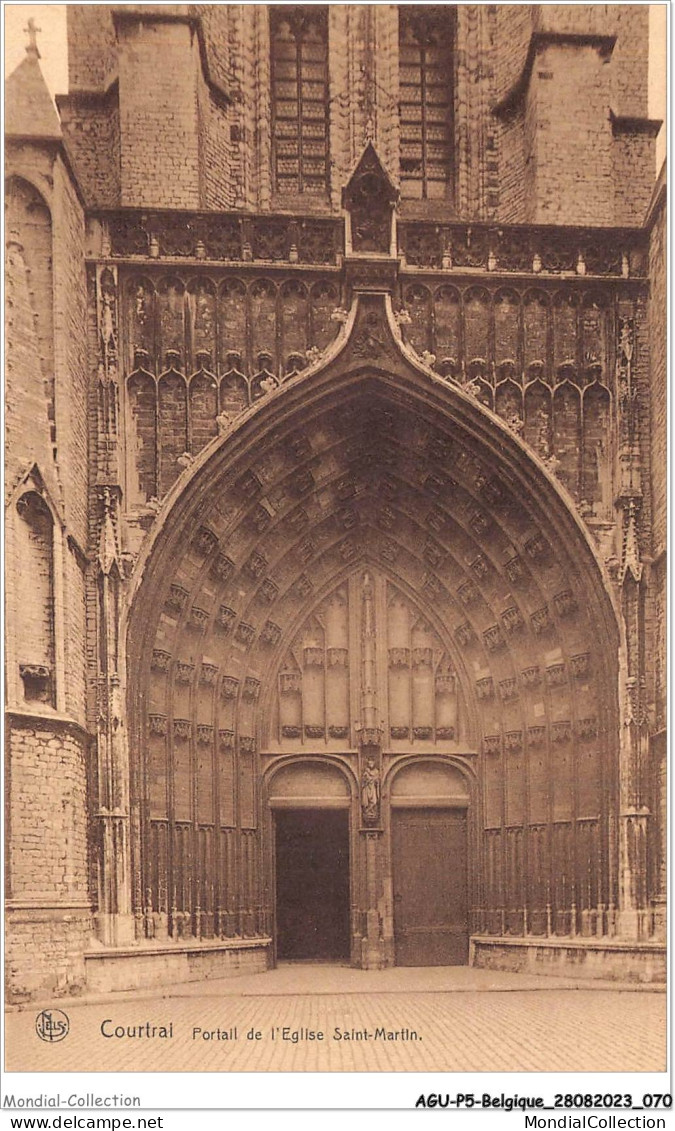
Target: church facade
{"x": 335, "y": 494}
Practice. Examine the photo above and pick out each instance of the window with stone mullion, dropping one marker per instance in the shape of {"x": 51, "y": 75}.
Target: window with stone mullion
{"x": 425, "y": 101}
{"x": 299, "y": 99}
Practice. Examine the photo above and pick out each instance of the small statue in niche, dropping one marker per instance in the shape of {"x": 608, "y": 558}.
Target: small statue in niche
{"x": 370, "y": 793}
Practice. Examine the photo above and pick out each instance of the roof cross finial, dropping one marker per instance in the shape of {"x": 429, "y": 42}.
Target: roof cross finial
{"x": 32, "y": 32}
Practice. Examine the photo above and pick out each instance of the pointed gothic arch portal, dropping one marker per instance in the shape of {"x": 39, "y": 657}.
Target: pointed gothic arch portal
{"x": 372, "y": 571}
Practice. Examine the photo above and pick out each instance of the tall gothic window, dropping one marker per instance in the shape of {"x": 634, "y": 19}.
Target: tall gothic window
{"x": 426, "y": 101}
{"x": 299, "y": 39}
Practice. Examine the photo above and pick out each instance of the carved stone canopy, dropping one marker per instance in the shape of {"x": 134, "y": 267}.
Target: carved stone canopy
{"x": 369, "y": 197}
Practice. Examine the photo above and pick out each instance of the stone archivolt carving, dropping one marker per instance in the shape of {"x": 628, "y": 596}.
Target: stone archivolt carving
{"x": 514, "y": 569}
{"x": 271, "y": 633}
{"x": 208, "y": 674}
{"x": 468, "y": 593}
{"x": 555, "y": 675}
{"x": 251, "y": 689}
{"x": 513, "y": 741}
{"x": 480, "y": 566}
{"x": 493, "y": 638}
{"x": 269, "y": 590}
{"x": 465, "y": 635}
{"x": 161, "y": 660}
{"x": 531, "y": 676}
{"x": 541, "y": 621}
{"x": 245, "y": 633}
{"x": 587, "y": 728}
{"x": 256, "y": 565}
{"x": 199, "y": 617}
{"x": 205, "y": 541}
{"x": 565, "y": 603}
{"x": 158, "y": 724}
{"x": 183, "y": 672}
{"x": 223, "y": 567}
{"x": 508, "y": 689}
{"x": 176, "y": 598}
{"x": 511, "y": 619}
{"x": 229, "y": 687}
{"x": 561, "y": 730}
{"x": 226, "y": 618}
{"x": 580, "y": 665}
{"x": 485, "y": 688}
{"x": 182, "y": 729}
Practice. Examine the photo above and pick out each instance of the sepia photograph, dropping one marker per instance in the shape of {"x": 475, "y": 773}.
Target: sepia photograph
{"x": 335, "y": 582}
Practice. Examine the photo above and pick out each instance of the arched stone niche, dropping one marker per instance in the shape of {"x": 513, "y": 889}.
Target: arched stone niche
{"x": 428, "y": 783}
{"x": 309, "y": 784}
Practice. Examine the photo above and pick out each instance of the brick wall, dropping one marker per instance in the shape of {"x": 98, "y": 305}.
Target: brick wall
{"x": 158, "y": 115}
{"x": 47, "y": 856}
{"x": 628, "y": 66}
{"x": 91, "y": 128}
{"x": 92, "y": 49}
{"x": 633, "y": 169}
{"x": 574, "y": 171}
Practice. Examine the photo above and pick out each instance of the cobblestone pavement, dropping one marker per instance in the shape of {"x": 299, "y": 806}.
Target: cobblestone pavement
{"x": 453, "y": 1020}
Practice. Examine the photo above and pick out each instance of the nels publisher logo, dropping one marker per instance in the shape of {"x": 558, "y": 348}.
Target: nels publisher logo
{"x": 52, "y": 1025}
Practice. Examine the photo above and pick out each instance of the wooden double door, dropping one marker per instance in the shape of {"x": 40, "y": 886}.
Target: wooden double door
{"x": 429, "y": 858}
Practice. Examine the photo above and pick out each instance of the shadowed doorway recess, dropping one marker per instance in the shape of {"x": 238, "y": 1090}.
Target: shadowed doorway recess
{"x": 312, "y": 869}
